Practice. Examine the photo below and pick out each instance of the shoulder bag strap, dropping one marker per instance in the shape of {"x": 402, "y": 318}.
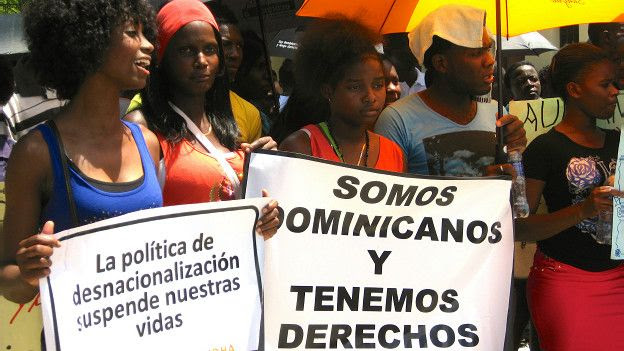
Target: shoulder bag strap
{"x": 216, "y": 153}
{"x": 70, "y": 194}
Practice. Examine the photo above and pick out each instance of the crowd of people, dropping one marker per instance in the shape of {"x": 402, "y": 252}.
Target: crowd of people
{"x": 203, "y": 98}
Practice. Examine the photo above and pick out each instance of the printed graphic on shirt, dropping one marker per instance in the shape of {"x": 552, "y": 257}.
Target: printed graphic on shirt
{"x": 583, "y": 175}
{"x": 461, "y": 154}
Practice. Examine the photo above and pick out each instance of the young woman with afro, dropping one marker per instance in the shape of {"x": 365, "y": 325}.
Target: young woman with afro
{"x": 86, "y": 165}
{"x": 340, "y": 77}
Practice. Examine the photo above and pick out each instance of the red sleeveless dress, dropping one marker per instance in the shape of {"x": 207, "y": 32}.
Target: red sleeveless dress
{"x": 390, "y": 154}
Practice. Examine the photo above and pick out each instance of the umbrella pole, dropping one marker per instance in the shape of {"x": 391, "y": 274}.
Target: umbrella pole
{"x": 501, "y": 157}
{"x": 266, "y": 55}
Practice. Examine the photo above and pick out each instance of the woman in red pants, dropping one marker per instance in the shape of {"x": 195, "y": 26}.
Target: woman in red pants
{"x": 575, "y": 291}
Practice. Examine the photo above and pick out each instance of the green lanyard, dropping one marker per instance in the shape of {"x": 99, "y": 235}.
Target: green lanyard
{"x": 325, "y": 128}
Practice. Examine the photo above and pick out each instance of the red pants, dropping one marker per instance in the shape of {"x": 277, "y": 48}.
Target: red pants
{"x": 575, "y": 309}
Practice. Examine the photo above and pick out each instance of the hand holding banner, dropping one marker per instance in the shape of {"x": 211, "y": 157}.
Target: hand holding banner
{"x": 182, "y": 277}
{"x": 371, "y": 259}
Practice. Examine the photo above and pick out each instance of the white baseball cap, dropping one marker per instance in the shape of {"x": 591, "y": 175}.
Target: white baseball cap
{"x": 460, "y": 24}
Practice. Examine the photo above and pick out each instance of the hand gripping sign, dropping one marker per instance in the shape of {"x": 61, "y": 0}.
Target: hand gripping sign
{"x": 370, "y": 259}
{"x": 173, "y": 278}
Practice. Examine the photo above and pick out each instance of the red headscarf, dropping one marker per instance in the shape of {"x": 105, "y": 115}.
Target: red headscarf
{"x": 175, "y": 15}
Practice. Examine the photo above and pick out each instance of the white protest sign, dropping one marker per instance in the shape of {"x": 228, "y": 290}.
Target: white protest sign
{"x": 371, "y": 259}
{"x": 617, "y": 229}
{"x": 173, "y": 278}
{"x": 538, "y": 115}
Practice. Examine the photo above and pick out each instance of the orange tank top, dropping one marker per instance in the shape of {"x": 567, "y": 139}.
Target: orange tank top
{"x": 192, "y": 175}
{"x": 390, "y": 154}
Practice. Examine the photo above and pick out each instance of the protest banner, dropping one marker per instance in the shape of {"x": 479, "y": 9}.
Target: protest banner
{"x": 174, "y": 278}
{"x": 617, "y": 228}
{"x": 538, "y": 116}
{"x": 372, "y": 259}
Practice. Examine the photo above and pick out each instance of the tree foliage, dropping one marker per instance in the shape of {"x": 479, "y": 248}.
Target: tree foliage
{"x": 11, "y": 6}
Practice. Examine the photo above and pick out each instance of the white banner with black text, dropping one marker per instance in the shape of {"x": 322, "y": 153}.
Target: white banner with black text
{"x": 379, "y": 260}
{"x": 173, "y": 278}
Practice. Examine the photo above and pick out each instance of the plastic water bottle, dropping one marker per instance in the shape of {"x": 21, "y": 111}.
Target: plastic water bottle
{"x": 520, "y": 204}
{"x": 603, "y": 227}
{"x": 605, "y": 222}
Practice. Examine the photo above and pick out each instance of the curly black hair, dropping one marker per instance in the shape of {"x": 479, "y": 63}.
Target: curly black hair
{"x": 328, "y": 48}
{"x": 163, "y": 119}
{"x": 68, "y": 39}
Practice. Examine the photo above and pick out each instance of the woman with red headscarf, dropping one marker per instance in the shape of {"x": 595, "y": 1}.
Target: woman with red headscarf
{"x": 187, "y": 104}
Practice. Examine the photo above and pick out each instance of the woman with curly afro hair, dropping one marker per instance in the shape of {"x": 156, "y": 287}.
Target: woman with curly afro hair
{"x": 339, "y": 71}
{"x": 86, "y": 164}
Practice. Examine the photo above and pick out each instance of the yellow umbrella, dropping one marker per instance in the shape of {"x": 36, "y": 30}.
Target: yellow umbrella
{"x": 517, "y": 16}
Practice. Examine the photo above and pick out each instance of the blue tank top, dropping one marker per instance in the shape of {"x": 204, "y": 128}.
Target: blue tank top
{"x": 93, "y": 204}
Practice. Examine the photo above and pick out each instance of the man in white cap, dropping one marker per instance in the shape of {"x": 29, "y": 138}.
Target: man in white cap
{"x": 443, "y": 130}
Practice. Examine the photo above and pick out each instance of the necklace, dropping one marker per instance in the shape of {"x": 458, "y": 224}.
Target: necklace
{"x": 363, "y": 152}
